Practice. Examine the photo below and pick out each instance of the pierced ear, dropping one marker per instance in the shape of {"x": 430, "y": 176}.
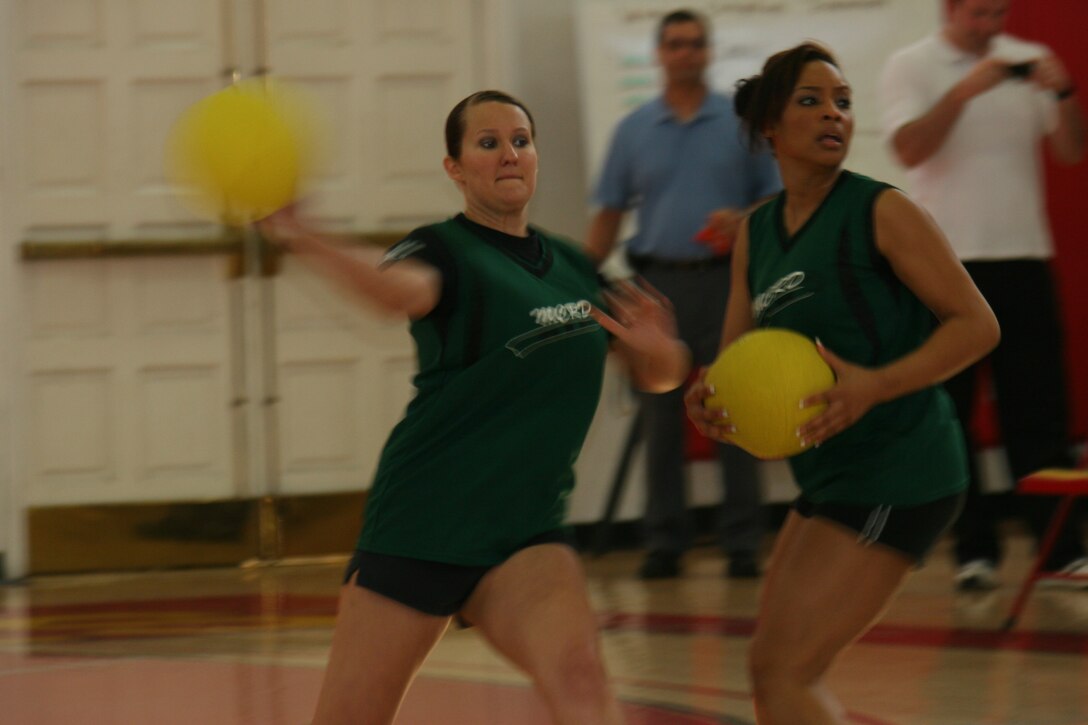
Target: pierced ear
{"x": 769, "y": 134}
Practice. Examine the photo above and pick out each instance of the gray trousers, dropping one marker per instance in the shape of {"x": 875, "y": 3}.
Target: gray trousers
{"x": 699, "y": 298}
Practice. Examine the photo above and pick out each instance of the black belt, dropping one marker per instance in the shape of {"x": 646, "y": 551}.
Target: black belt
{"x": 641, "y": 262}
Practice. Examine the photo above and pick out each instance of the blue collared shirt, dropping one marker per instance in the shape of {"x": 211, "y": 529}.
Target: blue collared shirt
{"x": 676, "y": 173}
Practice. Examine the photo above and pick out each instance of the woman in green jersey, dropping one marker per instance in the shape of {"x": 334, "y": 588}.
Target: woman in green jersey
{"x": 858, "y": 266}
{"x": 465, "y": 517}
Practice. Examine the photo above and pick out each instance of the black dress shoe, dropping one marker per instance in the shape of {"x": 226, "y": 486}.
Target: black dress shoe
{"x": 743, "y": 565}
{"x": 660, "y": 565}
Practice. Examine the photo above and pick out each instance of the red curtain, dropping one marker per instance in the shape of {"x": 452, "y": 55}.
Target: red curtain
{"x": 1060, "y": 24}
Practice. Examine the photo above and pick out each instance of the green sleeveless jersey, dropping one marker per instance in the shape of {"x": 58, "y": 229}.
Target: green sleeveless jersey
{"x": 510, "y": 371}
{"x": 830, "y": 281}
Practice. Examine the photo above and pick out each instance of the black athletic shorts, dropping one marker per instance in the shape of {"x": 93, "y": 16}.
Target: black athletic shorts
{"x": 431, "y": 587}
{"x": 911, "y": 530}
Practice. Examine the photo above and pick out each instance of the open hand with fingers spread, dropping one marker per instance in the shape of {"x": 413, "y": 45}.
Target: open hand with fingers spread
{"x": 641, "y": 318}
{"x": 644, "y": 327}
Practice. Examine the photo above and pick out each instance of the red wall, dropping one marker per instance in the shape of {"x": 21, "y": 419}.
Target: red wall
{"x": 1061, "y": 24}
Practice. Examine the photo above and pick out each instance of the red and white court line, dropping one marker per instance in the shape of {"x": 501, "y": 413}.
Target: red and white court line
{"x": 196, "y": 615}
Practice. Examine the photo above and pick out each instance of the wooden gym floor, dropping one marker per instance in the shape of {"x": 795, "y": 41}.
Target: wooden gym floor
{"x": 226, "y": 646}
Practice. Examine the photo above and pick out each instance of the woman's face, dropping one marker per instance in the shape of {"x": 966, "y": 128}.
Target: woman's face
{"x": 497, "y": 168}
{"x": 817, "y": 122}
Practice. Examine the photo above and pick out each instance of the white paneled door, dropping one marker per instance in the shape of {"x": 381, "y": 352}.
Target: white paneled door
{"x": 170, "y": 378}
{"x": 124, "y": 364}
{"x": 386, "y": 72}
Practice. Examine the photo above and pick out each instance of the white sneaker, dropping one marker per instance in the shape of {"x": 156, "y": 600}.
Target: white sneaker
{"x": 977, "y": 575}
{"x": 1078, "y": 568}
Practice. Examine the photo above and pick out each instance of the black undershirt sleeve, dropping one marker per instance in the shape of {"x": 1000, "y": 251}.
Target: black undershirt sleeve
{"x": 423, "y": 245}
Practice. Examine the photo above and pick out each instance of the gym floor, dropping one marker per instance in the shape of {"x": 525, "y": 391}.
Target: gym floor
{"x": 247, "y": 645}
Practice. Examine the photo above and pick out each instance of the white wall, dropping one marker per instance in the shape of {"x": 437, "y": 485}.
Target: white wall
{"x": 545, "y": 77}
{"x": 11, "y": 530}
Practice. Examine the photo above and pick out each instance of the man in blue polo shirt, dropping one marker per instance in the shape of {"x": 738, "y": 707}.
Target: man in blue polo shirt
{"x": 679, "y": 159}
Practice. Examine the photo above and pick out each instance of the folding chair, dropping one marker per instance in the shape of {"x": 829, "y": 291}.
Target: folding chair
{"x": 1069, "y": 484}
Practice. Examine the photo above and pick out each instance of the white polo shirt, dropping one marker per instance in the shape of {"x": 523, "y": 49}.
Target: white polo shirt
{"x": 984, "y": 186}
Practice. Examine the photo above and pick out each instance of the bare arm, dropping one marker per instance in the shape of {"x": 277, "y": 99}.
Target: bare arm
{"x": 919, "y": 139}
{"x": 603, "y": 230}
{"x": 923, "y": 261}
{"x": 738, "y": 312}
{"x": 407, "y": 288}
{"x": 738, "y": 320}
{"x": 1067, "y": 140}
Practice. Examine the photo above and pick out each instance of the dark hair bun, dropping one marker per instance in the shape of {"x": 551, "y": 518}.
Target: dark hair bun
{"x": 745, "y": 91}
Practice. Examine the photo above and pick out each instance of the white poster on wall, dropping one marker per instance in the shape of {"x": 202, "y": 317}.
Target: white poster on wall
{"x": 618, "y": 70}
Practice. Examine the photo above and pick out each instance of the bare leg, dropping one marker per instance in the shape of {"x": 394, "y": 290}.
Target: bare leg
{"x": 823, "y": 590}
{"x": 533, "y": 609}
{"x": 377, "y": 647}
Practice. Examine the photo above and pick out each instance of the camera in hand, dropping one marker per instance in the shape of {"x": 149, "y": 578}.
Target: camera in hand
{"x": 1021, "y": 70}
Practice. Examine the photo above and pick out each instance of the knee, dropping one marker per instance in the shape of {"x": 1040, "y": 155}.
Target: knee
{"x": 578, "y": 673}
{"x": 775, "y": 668}
{"x": 762, "y": 666}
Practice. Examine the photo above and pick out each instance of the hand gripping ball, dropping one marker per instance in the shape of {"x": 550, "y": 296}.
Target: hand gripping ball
{"x": 760, "y": 380}
{"x": 240, "y": 154}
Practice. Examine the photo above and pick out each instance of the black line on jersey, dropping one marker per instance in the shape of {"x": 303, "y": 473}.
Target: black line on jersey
{"x": 475, "y": 331}
{"x": 784, "y": 239}
{"x": 880, "y": 263}
{"x": 855, "y": 298}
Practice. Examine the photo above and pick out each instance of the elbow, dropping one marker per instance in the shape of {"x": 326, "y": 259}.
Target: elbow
{"x": 1069, "y": 157}
{"x": 657, "y": 387}
{"x": 907, "y": 149}
{"x": 989, "y": 334}
{"x": 649, "y": 383}
{"x": 388, "y": 310}
{"x": 907, "y": 156}
{"x": 979, "y": 332}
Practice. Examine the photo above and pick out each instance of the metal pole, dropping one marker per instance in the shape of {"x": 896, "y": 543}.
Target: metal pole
{"x": 603, "y": 528}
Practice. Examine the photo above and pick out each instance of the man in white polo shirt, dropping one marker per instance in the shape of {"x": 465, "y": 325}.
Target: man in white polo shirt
{"x": 965, "y": 111}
